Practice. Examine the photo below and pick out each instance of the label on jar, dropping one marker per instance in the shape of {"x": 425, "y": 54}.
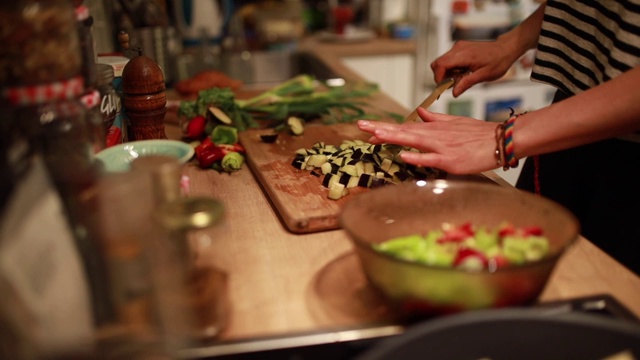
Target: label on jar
{"x": 111, "y": 105}
{"x": 110, "y": 108}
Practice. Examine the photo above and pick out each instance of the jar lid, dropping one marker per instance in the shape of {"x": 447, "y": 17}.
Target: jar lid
{"x": 43, "y": 93}
{"x": 105, "y": 74}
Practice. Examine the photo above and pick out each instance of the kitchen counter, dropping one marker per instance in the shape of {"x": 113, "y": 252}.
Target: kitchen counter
{"x": 283, "y": 284}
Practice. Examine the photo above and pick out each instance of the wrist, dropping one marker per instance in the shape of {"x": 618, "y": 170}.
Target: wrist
{"x": 505, "y": 154}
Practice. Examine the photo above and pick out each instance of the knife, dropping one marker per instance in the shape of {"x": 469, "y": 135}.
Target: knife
{"x": 443, "y": 85}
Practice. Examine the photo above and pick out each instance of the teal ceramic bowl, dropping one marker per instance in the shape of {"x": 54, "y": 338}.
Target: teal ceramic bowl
{"x": 118, "y": 158}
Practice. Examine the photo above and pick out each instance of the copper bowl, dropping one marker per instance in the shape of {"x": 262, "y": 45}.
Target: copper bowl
{"x": 418, "y": 207}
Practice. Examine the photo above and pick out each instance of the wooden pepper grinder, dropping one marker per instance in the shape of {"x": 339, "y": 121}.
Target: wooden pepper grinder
{"x": 144, "y": 95}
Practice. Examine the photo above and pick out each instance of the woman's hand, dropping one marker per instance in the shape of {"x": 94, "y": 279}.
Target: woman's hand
{"x": 485, "y": 60}
{"x": 458, "y": 145}
{"x": 489, "y": 60}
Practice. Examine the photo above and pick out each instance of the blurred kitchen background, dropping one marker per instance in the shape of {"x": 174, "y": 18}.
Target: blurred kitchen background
{"x": 256, "y": 42}
{"x": 252, "y": 40}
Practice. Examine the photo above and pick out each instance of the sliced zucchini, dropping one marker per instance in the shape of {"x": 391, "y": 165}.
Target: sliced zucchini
{"x": 296, "y": 125}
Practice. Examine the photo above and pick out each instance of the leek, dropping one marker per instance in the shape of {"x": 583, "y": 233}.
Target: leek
{"x": 301, "y": 96}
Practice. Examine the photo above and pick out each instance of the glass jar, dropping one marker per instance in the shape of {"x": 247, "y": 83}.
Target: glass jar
{"x": 45, "y": 307}
{"x": 91, "y": 100}
{"x": 84, "y": 22}
{"x": 40, "y": 42}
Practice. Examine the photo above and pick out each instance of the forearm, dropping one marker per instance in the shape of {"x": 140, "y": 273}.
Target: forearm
{"x": 608, "y": 110}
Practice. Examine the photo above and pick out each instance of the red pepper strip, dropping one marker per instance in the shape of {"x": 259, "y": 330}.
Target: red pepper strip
{"x": 195, "y": 127}
{"x": 208, "y": 153}
{"x": 227, "y": 148}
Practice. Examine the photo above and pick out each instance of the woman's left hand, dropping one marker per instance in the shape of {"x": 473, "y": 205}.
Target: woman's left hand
{"x": 455, "y": 144}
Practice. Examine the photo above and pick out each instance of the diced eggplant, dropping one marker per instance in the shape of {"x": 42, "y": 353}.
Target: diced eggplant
{"x": 401, "y": 176}
{"x": 344, "y": 179}
{"x": 365, "y": 180}
{"x": 326, "y": 168}
{"x": 336, "y": 191}
{"x": 269, "y": 138}
{"x": 317, "y": 160}
{"x": 349, "y": 169}
{"x": 359, "y": 168}
{"x": 298, "y": 164}
{"x": 385, "y": 165}
{"x": 353, "y": 182}
{"x": 356, "y": 163}
{"x": 369, "y": 168}
{"x": 378, "y": 182}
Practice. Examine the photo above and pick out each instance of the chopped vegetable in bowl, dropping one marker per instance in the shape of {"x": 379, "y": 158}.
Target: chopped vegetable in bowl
{"x": 470, "y": 247}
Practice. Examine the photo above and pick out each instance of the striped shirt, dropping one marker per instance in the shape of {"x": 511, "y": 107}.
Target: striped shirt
{"x": 584, "y": 43}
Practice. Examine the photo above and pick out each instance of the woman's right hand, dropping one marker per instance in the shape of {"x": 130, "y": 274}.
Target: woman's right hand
{"x": 485, "y": 61}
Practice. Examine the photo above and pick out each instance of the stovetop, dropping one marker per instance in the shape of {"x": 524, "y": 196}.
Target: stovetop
{"x": 347, "y": 344}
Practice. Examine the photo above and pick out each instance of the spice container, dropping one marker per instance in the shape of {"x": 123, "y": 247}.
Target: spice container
{"x": 194, "y": 223}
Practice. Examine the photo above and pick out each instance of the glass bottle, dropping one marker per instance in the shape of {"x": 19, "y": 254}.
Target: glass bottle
{"x": 194, "y": 223}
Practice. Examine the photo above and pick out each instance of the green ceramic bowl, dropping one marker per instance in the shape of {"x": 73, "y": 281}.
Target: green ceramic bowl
{"x": 118, "y": 158}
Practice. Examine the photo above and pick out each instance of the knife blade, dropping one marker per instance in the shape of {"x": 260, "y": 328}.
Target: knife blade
{"x": 435, "y": 94}
{"x": 453, "y": 75}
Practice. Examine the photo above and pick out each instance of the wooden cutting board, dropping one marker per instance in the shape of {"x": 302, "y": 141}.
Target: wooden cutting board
{"x": 299, "y": 197}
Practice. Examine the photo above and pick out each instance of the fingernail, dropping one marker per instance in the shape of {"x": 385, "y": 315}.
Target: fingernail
{"x": 363, "y": 122}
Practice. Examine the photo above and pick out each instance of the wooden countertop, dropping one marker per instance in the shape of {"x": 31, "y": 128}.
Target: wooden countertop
{"x": 280, "y": 282}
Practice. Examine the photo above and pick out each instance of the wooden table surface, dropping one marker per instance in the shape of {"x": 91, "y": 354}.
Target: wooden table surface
{"x": 282, "y": 284}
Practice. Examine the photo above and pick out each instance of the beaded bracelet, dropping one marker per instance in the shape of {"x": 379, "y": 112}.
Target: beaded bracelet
{"x": 509, "y": 150}
{"x": 505, "y": 153}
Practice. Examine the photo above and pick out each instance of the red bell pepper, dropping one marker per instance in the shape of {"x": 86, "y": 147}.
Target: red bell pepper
{"x": 196, "y": 127}
{"x": 208, "y": 153}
